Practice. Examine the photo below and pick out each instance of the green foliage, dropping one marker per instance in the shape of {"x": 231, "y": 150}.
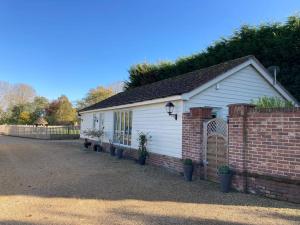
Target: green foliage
{"x": 143, "y": 139}
{"x": 224, "y": 169}
{"x": 272, "y": 44}
{"x": 93, "y": 96}
{"x": 272, "y": 102}
{"x": 62, "y": 111}
{"x": 39, "y": 105}
{"x": 188, "y": 162}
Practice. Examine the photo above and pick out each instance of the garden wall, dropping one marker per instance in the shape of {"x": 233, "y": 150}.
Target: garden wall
{"x": 264, "y": 150}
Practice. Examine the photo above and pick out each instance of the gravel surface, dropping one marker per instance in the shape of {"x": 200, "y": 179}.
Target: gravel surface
{"x": 55, "y": 182}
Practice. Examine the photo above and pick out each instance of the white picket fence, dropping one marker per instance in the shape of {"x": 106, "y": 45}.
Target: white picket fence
{"x": 49, "y": 132}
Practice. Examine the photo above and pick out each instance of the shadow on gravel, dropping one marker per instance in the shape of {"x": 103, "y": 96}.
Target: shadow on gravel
{"x": 148, "y": 219}
{"x": 61, "y": 169}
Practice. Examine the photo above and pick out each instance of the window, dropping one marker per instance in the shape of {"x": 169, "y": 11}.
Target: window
{"x": 123, "y": 127}
{"x": 94, "y": 121}
{"x": 101, "y": 121}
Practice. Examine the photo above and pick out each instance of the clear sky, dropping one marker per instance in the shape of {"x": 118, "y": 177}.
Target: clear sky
{"x": 69, "y": 46}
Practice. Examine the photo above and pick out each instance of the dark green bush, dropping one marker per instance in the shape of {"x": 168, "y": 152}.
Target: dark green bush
{"x": 272, "y": 44}
{"x": 188, "y": 162}
{"x": 224, "y": 169}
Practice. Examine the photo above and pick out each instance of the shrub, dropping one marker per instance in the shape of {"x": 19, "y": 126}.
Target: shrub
{"x": 143, "y": 139}
{"x": 271, "y": 43}
{"x": 188, "y": 162}
{"x": 272, "y": 102}
{"x": 95, "y": 133}
{"x": 224, "y": 169}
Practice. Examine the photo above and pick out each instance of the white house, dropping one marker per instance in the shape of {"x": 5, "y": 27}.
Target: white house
{"x": 143, "y": 108}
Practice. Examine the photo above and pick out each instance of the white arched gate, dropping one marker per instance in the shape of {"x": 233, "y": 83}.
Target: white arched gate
{"x": 215, "y": 151}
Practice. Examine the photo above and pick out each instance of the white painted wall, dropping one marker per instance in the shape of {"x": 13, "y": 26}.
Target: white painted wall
{"x": 240, "y": 87}
{"x": 166, "y": 132}
{"x": 87, "y": 123}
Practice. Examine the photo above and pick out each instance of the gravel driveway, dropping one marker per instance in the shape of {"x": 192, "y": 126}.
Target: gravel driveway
{"x": 54, "y": 182}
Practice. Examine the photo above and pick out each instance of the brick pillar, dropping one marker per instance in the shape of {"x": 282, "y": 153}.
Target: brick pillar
{"x": 237, "y": 144}
{"x": 192, "y": 134}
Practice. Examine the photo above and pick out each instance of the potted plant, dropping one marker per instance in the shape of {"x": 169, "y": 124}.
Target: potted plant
{"x": 225, "y": 178}
{"x": 86, "y": 143}
{"x": 119, "y": 149}
{"x": 188, "y": 169}
{"x": 98, "y": 135}
{"x": 112, "y": 148}
{"x": 120, "y": 152}
{"x": 142, "y": 151}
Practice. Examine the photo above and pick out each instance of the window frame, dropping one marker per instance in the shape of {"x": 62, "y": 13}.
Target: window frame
{"x": 122, "y": 127}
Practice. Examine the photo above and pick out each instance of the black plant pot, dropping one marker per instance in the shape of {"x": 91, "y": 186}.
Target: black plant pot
{"x": 87, "y": 144}
{"x": 97, "y": 148}
{"x": 142, "y": 160}
{"x": 112, "y": 151}
{"x": 120, "y": 153}
{"x": 225, "y": 181}
{"x": 188, "y": 172}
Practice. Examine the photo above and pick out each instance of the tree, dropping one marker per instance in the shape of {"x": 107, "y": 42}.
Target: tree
{"x": 39, "y": 106}
{"x": 93, "y": 96}
{"x": 3, "y": 116}
{"x": 15, "y": 94}
{"x": 61, "y": 111}
{"x": 24, "y": 118}
{"x": 272, "y": 44}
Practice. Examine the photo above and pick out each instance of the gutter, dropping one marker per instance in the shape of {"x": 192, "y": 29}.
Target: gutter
{"x": 142, "y": 103}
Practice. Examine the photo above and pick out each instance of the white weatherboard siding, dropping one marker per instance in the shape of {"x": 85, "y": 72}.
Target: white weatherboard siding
{"x": 87, "y": 123}
{"x": 240, "y": 87}
{"x": 166, "y": 132}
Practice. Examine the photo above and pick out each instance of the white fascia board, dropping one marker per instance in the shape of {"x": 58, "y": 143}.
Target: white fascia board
{"x": 203, "y": 87}
{"x": 149, "y": 102}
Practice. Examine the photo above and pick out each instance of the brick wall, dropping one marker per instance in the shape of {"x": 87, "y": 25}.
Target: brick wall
{"x": 264, "y": 150}
{"x": 171, "y": 163}
{"x": 192, "y": 136}
{"x": 192, "y": 132}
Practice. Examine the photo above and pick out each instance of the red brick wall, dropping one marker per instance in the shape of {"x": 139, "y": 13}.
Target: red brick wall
{"x": 192, "y": 136}
{"x": 171, "y": 163}
{"x": 192, "y": 133}
{"x": 264, "y": 145}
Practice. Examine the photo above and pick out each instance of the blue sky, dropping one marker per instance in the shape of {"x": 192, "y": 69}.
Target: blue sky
{"x": 69, "y": 46}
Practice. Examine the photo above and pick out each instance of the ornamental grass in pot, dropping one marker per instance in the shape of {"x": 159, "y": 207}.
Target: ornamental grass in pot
{"x": 225, "y": 175}
{"x": 188, "y": 169}
{"x": 143, "y": 153}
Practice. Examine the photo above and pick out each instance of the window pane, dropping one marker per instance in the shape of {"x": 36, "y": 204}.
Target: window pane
{"x": 94, "y": 120}
{"x": 118, "y": 127}
{"x": 126, "y": 129}
{"x": 122, "y": 127}
{"x": 115, "y": 126}
{"x": 129, "y": 127}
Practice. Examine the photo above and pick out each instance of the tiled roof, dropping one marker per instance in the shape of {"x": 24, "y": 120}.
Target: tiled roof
{"x": 169, "y": 87}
